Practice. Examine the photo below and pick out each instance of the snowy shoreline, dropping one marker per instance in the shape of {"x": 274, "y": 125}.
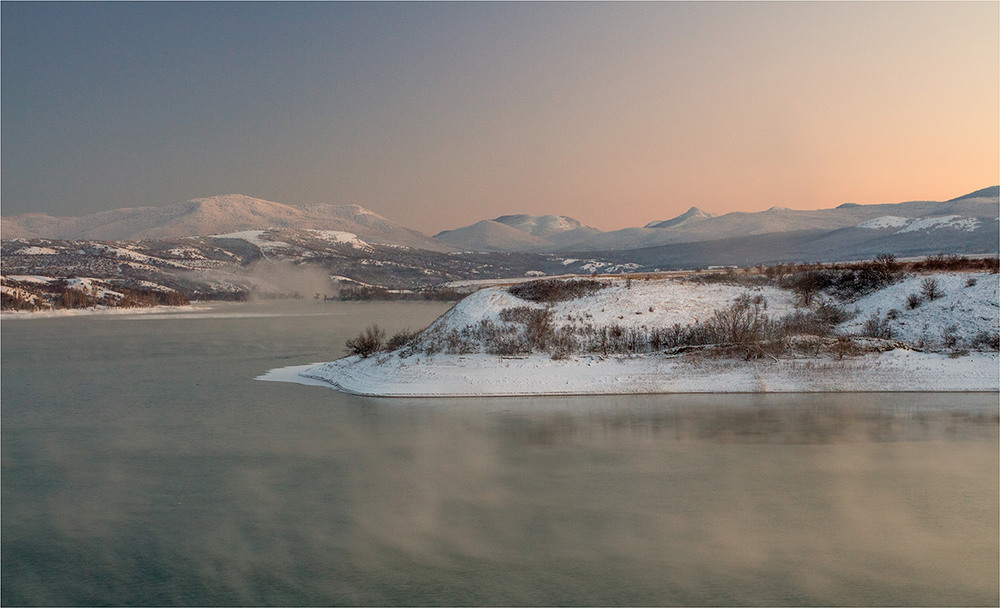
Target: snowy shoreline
{"x": 460, "y": 353}
{"x": 538, "y": 375}
{"x": 100, "y": 311}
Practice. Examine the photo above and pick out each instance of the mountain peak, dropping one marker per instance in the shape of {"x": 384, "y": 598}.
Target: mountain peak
{"x": 542, "y": 226}
{"x": 991, "y": 192}
{"x": 231, "y": 199}
{"x": 691, "y": 215}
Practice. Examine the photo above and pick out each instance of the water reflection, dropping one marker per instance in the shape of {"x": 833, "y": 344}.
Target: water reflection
{"x": 780, "y": 419}
{"x": 177, "y": 479}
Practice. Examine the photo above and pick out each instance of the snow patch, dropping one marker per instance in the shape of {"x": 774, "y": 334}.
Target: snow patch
{"x": 36, "y": 251}
{"x": 30, "y": 278}
{"x": 886, "y": 221}
{"x": 337, "y": 236}
{"x": 957, "y": 222}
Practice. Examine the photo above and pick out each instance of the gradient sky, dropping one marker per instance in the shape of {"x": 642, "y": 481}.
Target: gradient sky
{"x": 438, "y": 115}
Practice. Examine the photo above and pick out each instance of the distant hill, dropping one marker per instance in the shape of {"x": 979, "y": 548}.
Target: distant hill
{"x": 991, "y": 192}
{"x": 518, "y": 233}
{"x": 217, "y": 215}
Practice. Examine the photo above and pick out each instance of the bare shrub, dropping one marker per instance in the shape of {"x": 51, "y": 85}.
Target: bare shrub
{"x": 400, "y": 339}
{"x": 986, "y": 340}
{"x": 844, "y": 346}
{"x": 808, "y": 284}
{"x": 368, "y": 342}
{"x": 800, "y": 322}
{"x": 556, "y": 290}
{"x": 876, "y": 327}
{"x": 831, "y": 314}
{"x": 931, "y": 289}
{"x": 863, "y": 279}
{"x": 956, "y": 263}
{"x": 508, "y": 346}
{"x": 949, "y": 336}
{"x": 742, "y": 323}
{"x": 914, "y": 300}
{"x": 538, "y": 331}
{"x": 971, "y": 282}
{"x": 518, "y": 314}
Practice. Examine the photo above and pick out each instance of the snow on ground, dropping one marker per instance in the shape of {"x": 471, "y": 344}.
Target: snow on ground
{"x": 885, "y": 221}
{"x": 970, "y": 300}
{"x": 489, "y": 375}
{"x": 188, "y": 253}
{"x": 30, "y": 278}
{"x": 336, "y": 236}
{"x": 100, "y": 311}
{"x": 626, "y": 303}
{"x": 93, "y": 286}
{"x": 909, "y": 224}
{"x": 128, "y": 254}
{"x": 963, "y": 310}
{"x": 944, "y": 221}
{"x": 36, "y": 251}
{"x": 253, "y": 237}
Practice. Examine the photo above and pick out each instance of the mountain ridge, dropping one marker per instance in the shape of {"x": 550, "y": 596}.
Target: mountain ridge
{"x": 217, "y": 215}
{"x": 850, "y": 226}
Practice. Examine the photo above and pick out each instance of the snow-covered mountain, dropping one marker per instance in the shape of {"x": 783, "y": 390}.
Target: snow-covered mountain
{"x": 690, "y": 216}
{"x": 491, "y": 235}
{"x": 964, "y": 225}
{"x": 543, "y": 226}
{"x": 967, "y": 224}
{"x": 779, "y": 220}
{"x": 519, "y": 233}
{"x": 218, "y": 215}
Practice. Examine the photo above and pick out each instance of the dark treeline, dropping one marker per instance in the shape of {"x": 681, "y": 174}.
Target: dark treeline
{"x": 368, "y": 292}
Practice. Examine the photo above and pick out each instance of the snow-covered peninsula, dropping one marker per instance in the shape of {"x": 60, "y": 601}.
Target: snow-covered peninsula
{"x": 863, "y": 328}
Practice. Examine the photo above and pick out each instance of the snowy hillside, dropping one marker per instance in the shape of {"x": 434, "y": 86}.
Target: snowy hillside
{"x": 676, "y": 335}
{"x": 965, "y": 306}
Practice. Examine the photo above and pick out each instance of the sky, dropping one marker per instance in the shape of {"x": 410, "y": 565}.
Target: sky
{"x": 438, "y": 115}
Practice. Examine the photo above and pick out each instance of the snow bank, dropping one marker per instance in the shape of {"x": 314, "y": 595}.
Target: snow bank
{"x": 486, "y": 375}
{"x": 10, "y": 315}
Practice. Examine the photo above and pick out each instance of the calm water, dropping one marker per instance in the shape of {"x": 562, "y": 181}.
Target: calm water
{"x": 143, "y": 464}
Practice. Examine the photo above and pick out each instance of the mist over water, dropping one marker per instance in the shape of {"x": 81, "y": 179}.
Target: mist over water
{"x": 142, "y": 464}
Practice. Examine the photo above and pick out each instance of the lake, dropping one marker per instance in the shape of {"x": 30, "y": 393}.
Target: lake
{"x": 143, "y": 464}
